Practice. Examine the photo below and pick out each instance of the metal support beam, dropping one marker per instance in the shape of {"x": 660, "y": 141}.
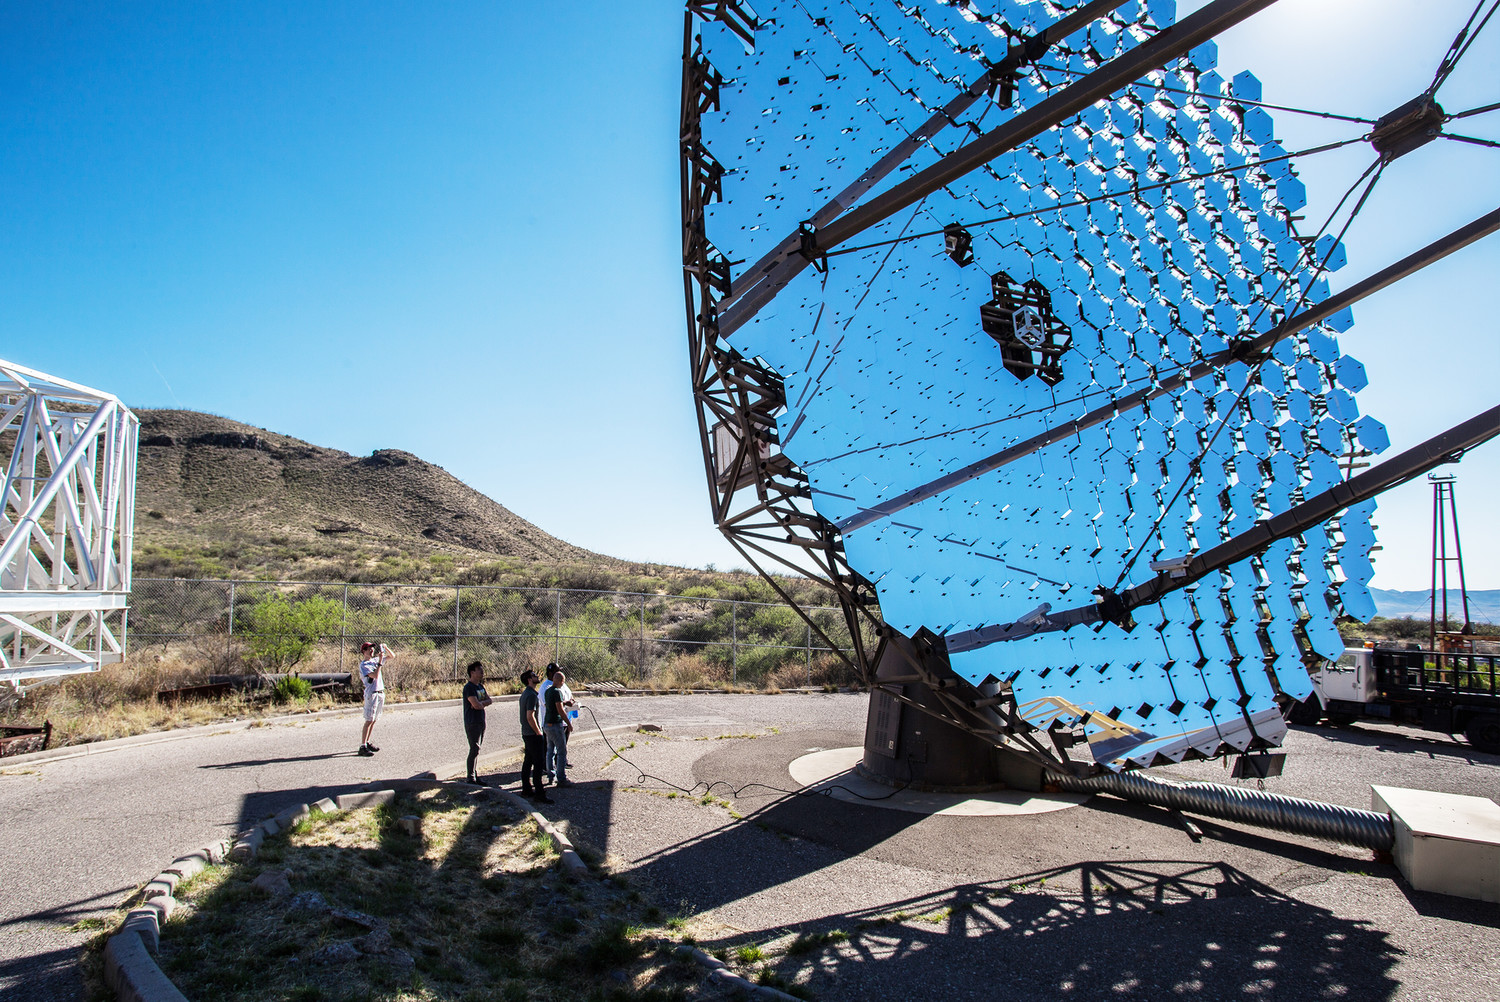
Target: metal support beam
{"x": 1299, "y": 518}
{"x": 1172, "y": 42}
{"x": 1249, "y": 351}
{"x": 1019, "y": 55}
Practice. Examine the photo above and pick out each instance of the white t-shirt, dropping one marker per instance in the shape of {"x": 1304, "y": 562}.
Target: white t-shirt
{"x": 567, "y": 696}
{"x": 373, "y": 683}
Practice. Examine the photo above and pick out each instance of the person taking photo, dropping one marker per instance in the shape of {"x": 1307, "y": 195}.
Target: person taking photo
{"x": 371, "y": 661}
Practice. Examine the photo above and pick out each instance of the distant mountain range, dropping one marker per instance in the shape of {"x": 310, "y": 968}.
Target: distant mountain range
{"x": 1484, "y": 606}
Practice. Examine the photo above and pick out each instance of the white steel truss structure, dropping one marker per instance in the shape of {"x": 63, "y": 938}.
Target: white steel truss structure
{"x": 66, "y": 521}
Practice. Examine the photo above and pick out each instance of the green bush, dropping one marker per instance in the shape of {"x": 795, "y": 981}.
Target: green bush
{"x": 291, "y": 689}
{"x": 283, "y": 632}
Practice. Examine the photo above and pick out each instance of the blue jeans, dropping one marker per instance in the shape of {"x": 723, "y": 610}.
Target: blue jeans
{"x": 557, "y": 751}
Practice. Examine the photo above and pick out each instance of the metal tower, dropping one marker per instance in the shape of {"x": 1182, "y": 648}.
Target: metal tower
{"x": 1444, "y": 515}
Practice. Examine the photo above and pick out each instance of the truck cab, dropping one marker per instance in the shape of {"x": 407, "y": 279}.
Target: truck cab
{"x": 1448, "y": 692}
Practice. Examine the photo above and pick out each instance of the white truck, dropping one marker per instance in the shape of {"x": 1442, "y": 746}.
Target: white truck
{"x": 1451, "y": 693}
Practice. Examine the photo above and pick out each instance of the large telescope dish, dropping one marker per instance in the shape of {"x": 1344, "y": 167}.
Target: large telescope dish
{"x": 1000, "y": 310}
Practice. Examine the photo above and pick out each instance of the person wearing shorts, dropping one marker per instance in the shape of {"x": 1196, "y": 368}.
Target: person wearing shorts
{"x": 371, "y": 661}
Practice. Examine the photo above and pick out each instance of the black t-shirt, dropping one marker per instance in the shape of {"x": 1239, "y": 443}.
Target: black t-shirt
{"x": 528, "y": 704}
{"x": 554, "y": 706}
{"x": 473, "y": 719}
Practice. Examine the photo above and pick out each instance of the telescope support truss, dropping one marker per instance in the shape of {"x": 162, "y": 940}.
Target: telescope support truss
{"x": 66, "y": 521}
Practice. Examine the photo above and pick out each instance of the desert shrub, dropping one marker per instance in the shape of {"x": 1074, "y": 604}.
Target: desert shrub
{"x": 701, "y": 592}
{"x": 291, "y": 689}
{"x": 283, "y": 632}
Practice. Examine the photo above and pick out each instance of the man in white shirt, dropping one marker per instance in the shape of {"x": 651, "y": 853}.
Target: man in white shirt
{"x": 371, "y": 660}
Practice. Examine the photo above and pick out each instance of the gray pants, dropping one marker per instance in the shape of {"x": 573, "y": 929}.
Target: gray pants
{"x": 557, "y": 751}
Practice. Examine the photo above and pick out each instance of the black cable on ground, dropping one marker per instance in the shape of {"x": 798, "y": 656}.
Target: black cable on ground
{"x": 704, "y": 788}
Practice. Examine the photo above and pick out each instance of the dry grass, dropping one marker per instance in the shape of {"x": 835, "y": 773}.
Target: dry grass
{"x": 694, "y": 671}
{"x": 474, "y": 908}
{"x": 121, "y": 700}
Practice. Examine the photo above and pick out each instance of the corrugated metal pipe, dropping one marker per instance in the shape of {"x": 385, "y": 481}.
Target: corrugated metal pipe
{"x": 1254, "y": 807}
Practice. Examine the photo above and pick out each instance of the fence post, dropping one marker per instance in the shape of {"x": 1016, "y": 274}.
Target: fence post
{"x": 808, "y": 655}
{"x": 734, "y": 642}
{"x": 457, "y": 596}
{"x": 643, "y": 634}
{"x": 344, "y": 626}
{"x": 229, "y": 639}
{"x": 557, "y": 632}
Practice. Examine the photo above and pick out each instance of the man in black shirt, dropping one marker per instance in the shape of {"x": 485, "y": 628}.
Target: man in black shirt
{"x": 475, "y": 700}
{"x": 534, "y": 739}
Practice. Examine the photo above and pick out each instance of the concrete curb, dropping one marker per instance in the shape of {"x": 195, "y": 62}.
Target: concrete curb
{"x": 133, "y": 975}
{"x": 129, "y": 967}
{"x": 570, "y": 860}
{"x": 720, "y": 972}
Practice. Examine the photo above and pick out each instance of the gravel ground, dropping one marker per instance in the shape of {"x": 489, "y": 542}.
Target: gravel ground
{"x": 1108, "y": 898}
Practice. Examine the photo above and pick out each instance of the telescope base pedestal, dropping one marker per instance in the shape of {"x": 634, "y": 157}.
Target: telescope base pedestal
{"x": 905, "y": 746}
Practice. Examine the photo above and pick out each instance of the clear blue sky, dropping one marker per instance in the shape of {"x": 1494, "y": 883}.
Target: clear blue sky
{"x": 453, "y": 229}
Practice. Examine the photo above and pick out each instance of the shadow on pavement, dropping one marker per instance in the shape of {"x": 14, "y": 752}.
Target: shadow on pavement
{"x": 71, "y": 912}
{"x": 251, "y": 763}
{"x": 1197, "y": 928}
{"x": 43, "y": 977}
{"x": 1445, "y": 906}
{"x": 1152, "y": 929}
{"x": 1394, "y": 739}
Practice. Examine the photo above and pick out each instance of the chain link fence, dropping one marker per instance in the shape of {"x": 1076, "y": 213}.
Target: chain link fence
{"x": 438, "y": 629}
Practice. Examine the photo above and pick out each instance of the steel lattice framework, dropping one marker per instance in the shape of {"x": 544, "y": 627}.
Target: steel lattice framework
{"x": 1139, "y": 255}
{"x": 66, "y": 524}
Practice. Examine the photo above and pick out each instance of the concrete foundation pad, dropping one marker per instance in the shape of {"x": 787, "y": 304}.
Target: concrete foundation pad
{"x": 1445, "y": 842}
{"x": 833, "y": 770}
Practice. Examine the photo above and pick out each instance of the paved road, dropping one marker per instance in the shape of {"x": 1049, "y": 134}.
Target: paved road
{"x": 81, "y": 833}
{"x": 1238, "y": 912}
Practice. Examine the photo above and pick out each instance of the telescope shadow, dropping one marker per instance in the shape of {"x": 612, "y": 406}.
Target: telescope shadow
{"x": 1147, "y": 929}
{"x": 1179, "y": 927}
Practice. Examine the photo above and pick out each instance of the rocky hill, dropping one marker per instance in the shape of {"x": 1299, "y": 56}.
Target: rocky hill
{"x": 217, "y": 496}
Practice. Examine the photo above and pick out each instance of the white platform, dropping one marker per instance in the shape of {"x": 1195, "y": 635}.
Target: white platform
{"x": 1445, "y": 842}
{"x": 832, "y": 771}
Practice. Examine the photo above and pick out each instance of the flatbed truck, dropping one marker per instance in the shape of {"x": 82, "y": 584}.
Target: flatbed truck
{"x": 1450, "y": 693}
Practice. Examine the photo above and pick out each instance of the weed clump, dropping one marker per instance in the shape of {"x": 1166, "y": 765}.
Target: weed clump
{"x": 291, "y": 689}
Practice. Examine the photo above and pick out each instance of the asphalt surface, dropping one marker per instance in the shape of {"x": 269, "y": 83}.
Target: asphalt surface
{"x": 1107, "y": 898}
